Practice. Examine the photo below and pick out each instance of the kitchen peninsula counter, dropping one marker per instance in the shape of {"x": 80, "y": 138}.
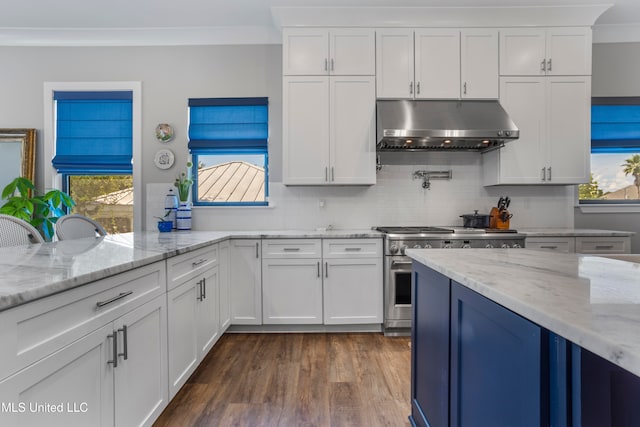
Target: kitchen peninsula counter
{"x": 32, "y": 272}
{"x": 591, "y": 301}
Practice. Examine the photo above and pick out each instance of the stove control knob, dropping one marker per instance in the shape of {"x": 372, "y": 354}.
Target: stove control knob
{"x": 447, "y": 246}
{"x": 517, "y": 246}
{"x": 393, "y": 249}
{"x": 504, "y": 246}
{"x": 466, "y": 246}
{"x": 489, "y": 246}
{"x": 416, "y": 246}
{"x": 427, "y": 246}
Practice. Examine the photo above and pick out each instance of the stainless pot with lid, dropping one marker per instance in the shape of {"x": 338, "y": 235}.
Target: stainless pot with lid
{"x": 475, "y": 220}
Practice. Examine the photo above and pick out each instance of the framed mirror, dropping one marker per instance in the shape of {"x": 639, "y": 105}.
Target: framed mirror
{"x": 17, "y": 154}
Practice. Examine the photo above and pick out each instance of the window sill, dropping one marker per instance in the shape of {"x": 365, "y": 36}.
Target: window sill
{"x": 613, "y": 208}
{"x": 271, "y": 205}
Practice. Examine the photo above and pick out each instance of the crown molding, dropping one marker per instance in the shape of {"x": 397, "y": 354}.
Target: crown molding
{"x": 491, "y": 16}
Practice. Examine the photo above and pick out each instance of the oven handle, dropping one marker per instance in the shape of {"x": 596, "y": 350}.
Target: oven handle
{"x": 394, "y": 263}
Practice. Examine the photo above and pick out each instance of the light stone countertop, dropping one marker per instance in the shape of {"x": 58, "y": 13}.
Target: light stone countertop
{"x": 572, "y": 232}
{"x": 589, "y": 300}
{"x": 31, "y": 272}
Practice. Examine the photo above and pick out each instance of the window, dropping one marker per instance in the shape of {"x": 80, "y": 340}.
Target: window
{"x": 93, "y": 154}
{"x": 228, "y": 143}
{"x": 615, "y": 152}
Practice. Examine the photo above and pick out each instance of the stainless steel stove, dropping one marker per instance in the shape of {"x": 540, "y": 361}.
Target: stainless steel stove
{"x": 397, "y": 266}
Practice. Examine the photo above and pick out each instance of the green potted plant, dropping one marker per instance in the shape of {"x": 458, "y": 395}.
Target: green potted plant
{"x": 41, "y": 210}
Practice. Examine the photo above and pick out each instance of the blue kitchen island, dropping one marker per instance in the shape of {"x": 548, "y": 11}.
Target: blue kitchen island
{"x": 524, "y": 338}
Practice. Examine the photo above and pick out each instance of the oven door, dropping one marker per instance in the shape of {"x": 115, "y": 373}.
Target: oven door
{"x": 398, "y": 292}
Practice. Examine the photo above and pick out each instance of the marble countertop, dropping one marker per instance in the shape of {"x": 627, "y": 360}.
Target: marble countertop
{"x": 572, "y": 232}
{"x": 31, "y": 272}
{"x": 590, "y": 300}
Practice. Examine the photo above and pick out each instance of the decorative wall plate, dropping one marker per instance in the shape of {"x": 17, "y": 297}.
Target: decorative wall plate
{"x": 164, "y": 159}
{"x": 164, "y": 132}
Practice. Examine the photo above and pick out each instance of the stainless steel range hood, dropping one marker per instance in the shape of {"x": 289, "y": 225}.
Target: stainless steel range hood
{"x": 408, "y": 125}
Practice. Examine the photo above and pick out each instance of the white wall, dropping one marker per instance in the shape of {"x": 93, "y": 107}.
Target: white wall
{"x": 171, "y": 75}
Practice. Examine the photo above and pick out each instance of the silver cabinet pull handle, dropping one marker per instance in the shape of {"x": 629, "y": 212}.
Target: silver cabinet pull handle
{"x": 604, "y": 246}
{"x": 326, "y": 68}
{"x": 394, "y": 263}
{"x": 543, "y": 65}
{"x": 544, "y": 174}
{"x": 549, "y": 247}
{"x": 204, "y": 288}
{"x": 410, "y": 88}
{"x": 333, "y": 178}
{"x": 464, "y": 88}
{"x": 291, "y": 249}
{"x": 114, "y": 336}
{"x": 418, "y": 88}
{"x": 257, "y": 249}
{"x": 116, "y": 298}
{"x": 326, "y": 269}
{"x": 318, "y": 268}
{"x": 199, "y": 297}
{"x": 549, "y": 65}
{"x": 125, "y": 352}
{"x": 197, "y": 263}
{"x": 352, "y": 249}
{"x": 331, "y": 64}
{"x": 549, "y": 173}
{"x": 326, "y": 174}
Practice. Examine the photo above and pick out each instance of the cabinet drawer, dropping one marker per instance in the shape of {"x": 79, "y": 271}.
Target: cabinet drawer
{"x": 352, "y": 248}
{"x": 186, "y": 266}
{"x": 603, "y": 245}
{"x": 39, "y": 328}
{"x": 558, "y": 244}
{"x": 291, "y": 248}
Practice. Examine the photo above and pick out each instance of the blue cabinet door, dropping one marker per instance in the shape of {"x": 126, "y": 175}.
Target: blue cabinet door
{"x": 496, "y": 365}
{"x": 430, "y": 348}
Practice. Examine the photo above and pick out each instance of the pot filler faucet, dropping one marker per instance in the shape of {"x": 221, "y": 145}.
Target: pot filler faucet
{"x": 428, "y": 175}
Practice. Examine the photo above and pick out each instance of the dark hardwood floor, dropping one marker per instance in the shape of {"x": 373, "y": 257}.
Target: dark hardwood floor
{"x": 297, "y": 380}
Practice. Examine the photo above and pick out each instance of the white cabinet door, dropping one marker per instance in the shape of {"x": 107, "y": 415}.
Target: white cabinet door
{"x": 225, "y": 289}
{"x": 394, "y": 63}
{"x": 306, "y": 130}
{"x": 321, "y": 51}
{"x": 183, "y": 340}
{"x": 556, "y": 243}
{"x": 352, "y": 144}
{"x": 352, "y": 291}
{"x": 77, "y": 375}
{"x": 479, "y": 64}
{"x": 141, "y": 384}
{"x": 568, "y": 129}
{"x": 246, "y": 282}
{"x": 352, "y": 52}
{"x": 521, "y": 161}
{"x": 437, "y": 63}
{"x": 569, "y": 51}
{"x": 208, "y": 322}
{"x": 305, "y": 51}
{"x": 292, "y": 291}
{"x": 522, "y": 52}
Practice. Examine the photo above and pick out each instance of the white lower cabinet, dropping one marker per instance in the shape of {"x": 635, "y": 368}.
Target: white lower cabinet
{"x": 246, "y": 282}
{"x": 114, "y": 375}
{"x": 581, "y": 244}
{"x": 291, "y": 281}
{"x": 225, "y": 286}
{"x": 194, "y": 325}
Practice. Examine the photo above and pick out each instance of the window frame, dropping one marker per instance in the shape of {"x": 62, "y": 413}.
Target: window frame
{"x": 610, "y": 206}
{"x": 227, "y": 150}
{"x": 53, "y": 179}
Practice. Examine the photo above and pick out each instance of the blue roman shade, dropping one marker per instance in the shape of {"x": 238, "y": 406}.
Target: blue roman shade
{"x": 94, "y": 132}
{"x": 228, "y": 123}
{"x": 615, "y": 125}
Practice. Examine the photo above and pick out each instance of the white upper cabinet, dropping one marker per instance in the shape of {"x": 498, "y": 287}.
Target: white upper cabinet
{"x": 437, "y": 63}
{"x": 545, "y": 51}
{"x": 322, "y": 51}
{"x": 479, "y": 64}
{"x": 553, "y": 116}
